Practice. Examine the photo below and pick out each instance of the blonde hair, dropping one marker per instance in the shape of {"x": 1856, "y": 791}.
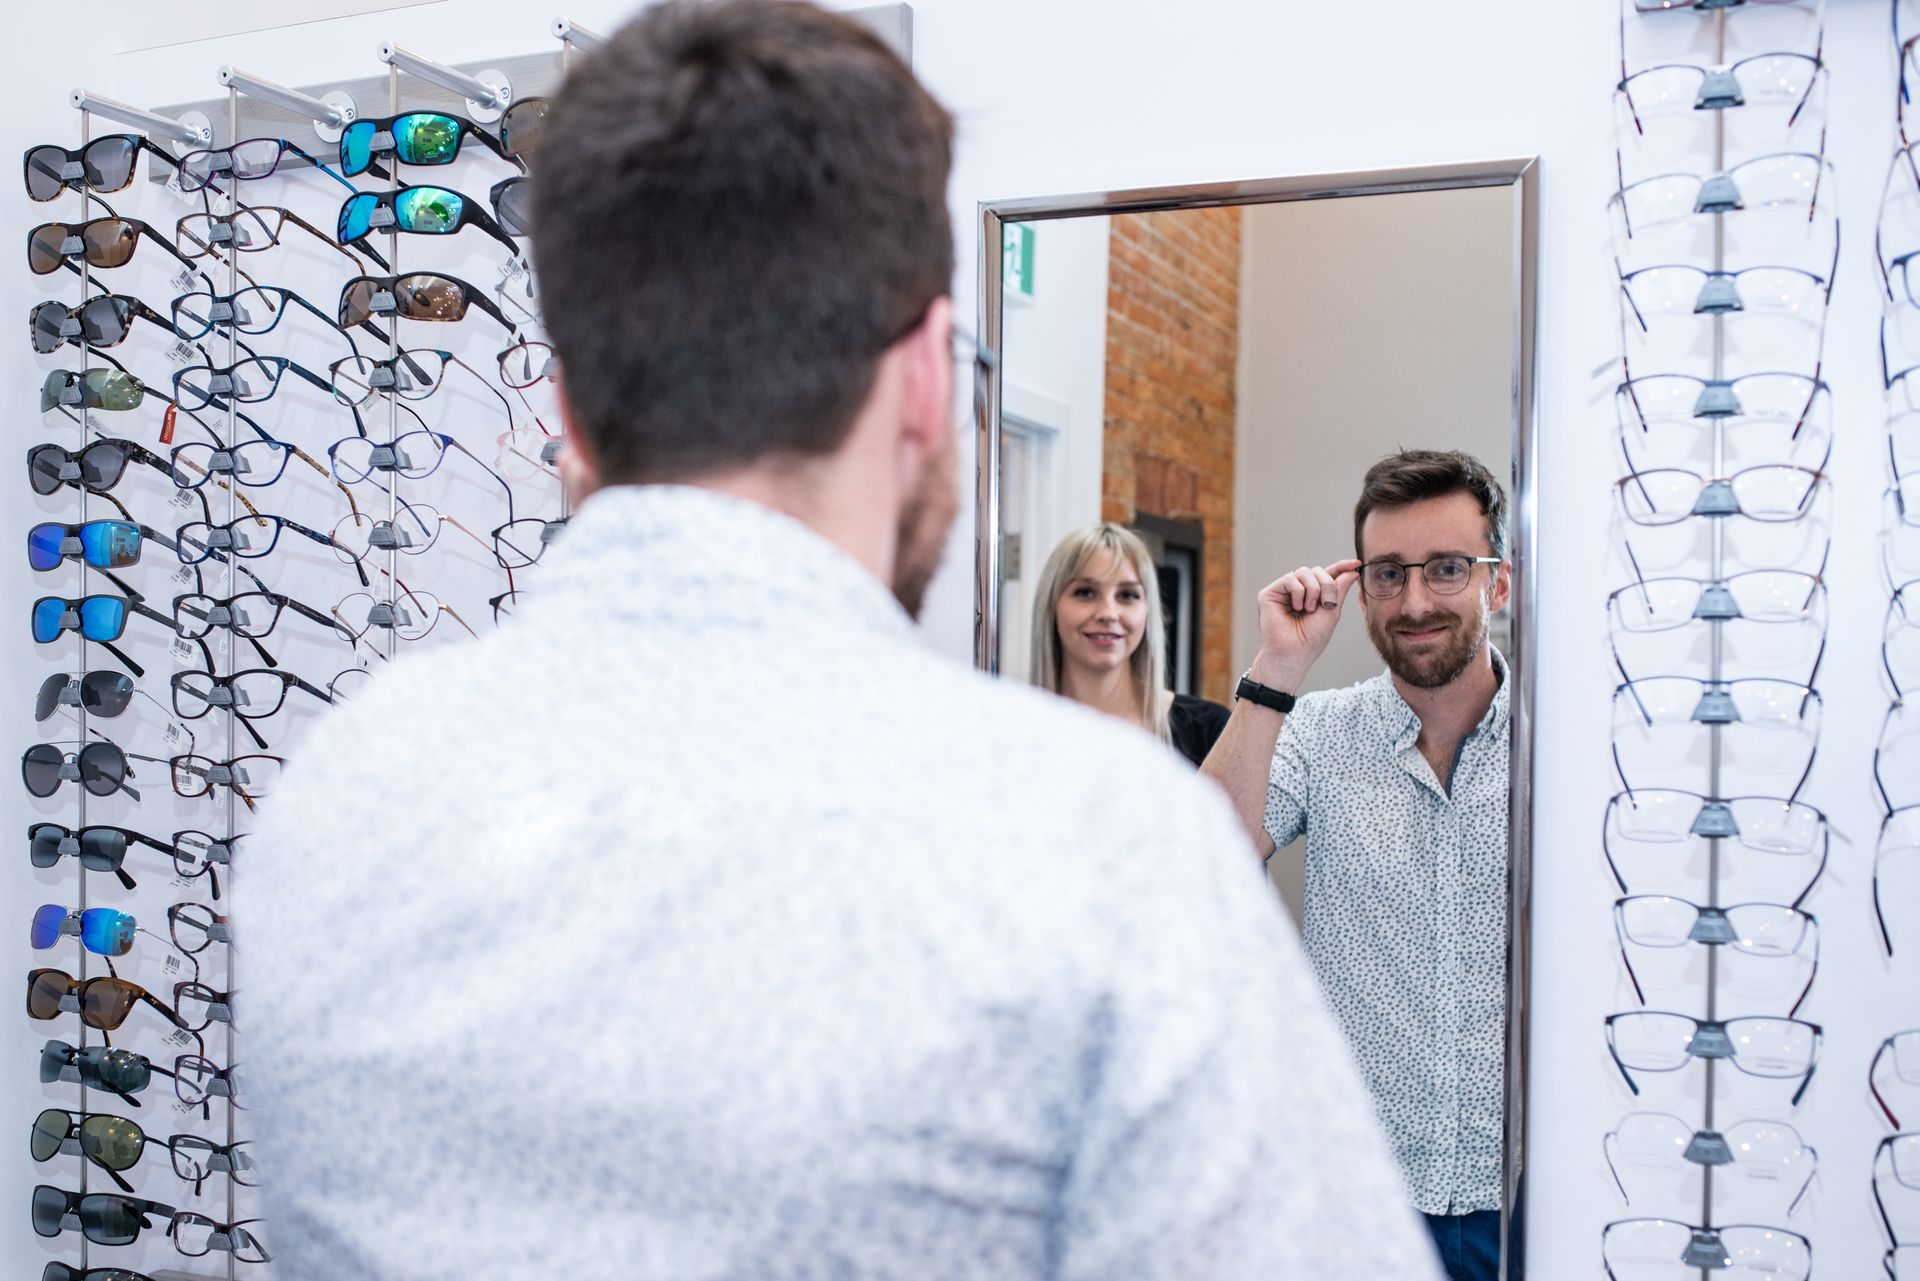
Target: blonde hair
{"x": 1148, "y": 663}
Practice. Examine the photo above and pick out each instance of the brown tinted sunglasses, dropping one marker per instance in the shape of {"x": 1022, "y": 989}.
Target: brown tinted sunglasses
{"x": 104, "y": 1002}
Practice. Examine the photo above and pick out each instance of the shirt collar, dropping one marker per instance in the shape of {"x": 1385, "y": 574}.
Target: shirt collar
{"x": 1400, "y": 724}
{"x": 696, "y": 555}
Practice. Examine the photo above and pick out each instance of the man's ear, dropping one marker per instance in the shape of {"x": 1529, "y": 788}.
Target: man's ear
{"x": 1502, "y": 592}
{"x": 927, "y": 387}
{"x": 579, "y": 469}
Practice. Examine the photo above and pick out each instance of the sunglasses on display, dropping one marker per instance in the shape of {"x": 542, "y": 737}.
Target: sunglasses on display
{"x": 102, "y": 1003}
{"x": 98, "y": 1067}
{"x": 1633, "y": 1249}
{"x": 1755, "y": 929}
{"x": 103, "y": 544}
{"x": 512, "y": 202}
{"x": 101, "y": 930}
{"x": 104, "y": 1218}
{"x": 195, "y": 927}
{"x": 103, "y": 242}
{"x": 100, "y": 768}
{"x": 410, "y": 615}
{"x": 112, "y": 390}
{"x": 97, "y": 466}
{"x": 521, "y": 124}
{"x": 427, "y": 211}
{"x": 98, "y": 618}
{"x": 258, "y": 309}
{"x": 1757, "y": 1152}
{"x": 105, "y": 164}
{"x": 413, "y": 138}
{"x": 103, "y": 321}
{"x": 1659, "y": 1041}
{"x": 425, "y": 296}
{"x": 247, "y": 161}
{"x": 252, "y": 229}
{"x": 114, "y": 1143}
{"x": 100, "y": 848}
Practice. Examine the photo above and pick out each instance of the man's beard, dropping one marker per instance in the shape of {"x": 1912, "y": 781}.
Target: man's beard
{"x": 1434, "y": 666}
{"x": 925, "y": 521}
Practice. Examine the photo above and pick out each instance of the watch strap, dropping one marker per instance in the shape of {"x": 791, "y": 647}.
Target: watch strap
{"x": 1265, "y": 696}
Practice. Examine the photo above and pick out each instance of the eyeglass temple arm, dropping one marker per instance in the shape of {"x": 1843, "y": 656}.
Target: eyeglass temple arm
{"x": 1812, "y": 974}
{"x": 1624, "y": 1074}
{"x": 1880, "y": 916}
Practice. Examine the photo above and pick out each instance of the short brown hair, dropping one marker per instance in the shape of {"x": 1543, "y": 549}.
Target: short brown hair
{"x": 1413, "y": 475}
{"x": 738, "y": 206}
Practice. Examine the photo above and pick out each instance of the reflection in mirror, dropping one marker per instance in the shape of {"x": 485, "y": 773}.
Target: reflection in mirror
{"x": 1193, "y": 398}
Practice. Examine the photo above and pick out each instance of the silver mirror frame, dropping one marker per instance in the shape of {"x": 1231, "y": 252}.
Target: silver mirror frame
{"x": 1523, "y": 175}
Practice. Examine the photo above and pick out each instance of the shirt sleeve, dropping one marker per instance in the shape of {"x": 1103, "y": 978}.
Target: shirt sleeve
{"x": 1226, "y": 1131}
{"x": 1286, "y": 815}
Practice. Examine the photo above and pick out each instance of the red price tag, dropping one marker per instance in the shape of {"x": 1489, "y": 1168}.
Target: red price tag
{"x": 166, "y": 426}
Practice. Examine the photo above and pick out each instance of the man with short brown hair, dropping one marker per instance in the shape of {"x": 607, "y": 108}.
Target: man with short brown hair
{"x": 702, "y": 923}
{"x": 1400, "y": 785}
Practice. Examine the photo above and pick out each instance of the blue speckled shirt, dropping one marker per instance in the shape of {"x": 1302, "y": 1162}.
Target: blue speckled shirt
{"x": 703, "y": 924}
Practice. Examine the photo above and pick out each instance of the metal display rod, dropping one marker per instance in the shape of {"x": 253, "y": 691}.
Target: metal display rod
{"x": 180, "y": 131}
{"x": 329, "y": 114}
{"x": 572, "y": 33}
{"x": 481, "y": 95}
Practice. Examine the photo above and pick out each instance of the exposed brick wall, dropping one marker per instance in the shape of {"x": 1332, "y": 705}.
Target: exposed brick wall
{"x": 1173, "y": 334}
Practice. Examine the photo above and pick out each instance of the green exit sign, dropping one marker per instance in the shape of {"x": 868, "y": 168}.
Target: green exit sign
{"x": 1016, "y": 255}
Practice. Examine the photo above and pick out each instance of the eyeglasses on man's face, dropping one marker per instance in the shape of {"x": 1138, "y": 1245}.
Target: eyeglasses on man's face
{"x": 1444, "y": 575}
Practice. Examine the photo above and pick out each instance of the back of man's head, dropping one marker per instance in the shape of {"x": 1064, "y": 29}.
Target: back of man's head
{"x": 738, "y": 206}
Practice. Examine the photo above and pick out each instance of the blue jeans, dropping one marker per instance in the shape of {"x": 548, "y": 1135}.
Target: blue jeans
{"x": 1469, "y": 1244}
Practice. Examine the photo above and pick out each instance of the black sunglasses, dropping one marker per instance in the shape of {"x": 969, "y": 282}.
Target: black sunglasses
{"x": 103, "y": 321}
{"x": 99, "y": 847}
{"x": 104, "y": 1218}
{"x": 97, "y": 466}
{"x": 98, "y": 1067}
{"x": 101, "y": 768}
{"x": 412, "y": 138}
{"x": 104, "y": 164}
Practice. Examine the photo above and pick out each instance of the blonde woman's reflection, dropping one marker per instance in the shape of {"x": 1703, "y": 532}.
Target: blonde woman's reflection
{"x": 1099, "y": 638}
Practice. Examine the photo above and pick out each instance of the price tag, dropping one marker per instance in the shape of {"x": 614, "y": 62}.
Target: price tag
{"x": 185, "y": 1109}
{"x": 181, "y": 883}
{"x": 182, "y": 352}
{"x": 183, "y": 575}
{"x": 180, "y": 193}
{"x": 175, "y": 732}
{"x": 182, "y": 498}
{"x": 182, "y": 648}
{"x": 166, "y": 424}
{"x": 184, "y": 280}
{"x": 179, "y": 1036}
{"x": 512, "y": 270}
{"x": 172, "y": 964}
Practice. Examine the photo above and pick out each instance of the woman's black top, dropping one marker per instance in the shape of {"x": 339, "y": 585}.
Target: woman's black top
{"x": 1194, "y": 724}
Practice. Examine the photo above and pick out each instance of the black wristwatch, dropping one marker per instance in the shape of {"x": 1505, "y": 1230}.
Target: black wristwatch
{"x": 1254, "y": 692}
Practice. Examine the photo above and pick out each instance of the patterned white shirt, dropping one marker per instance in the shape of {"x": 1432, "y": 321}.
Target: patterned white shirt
{"x": 1406, "y": 920}
{"x": 702, "y": 923}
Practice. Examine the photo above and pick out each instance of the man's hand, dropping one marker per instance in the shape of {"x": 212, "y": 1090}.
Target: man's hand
{"x": 1298, "y": 613}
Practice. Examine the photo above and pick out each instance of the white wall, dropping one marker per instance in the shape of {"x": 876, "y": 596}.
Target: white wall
{"x": 1064, "y": 97}
{"x": 1366, "y": 325}
{"x": 1054, "y": 354}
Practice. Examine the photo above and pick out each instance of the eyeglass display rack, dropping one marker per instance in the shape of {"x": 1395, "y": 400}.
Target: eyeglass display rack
{"x": 1704, "y": 1248}
{"x": 225, "y": 121}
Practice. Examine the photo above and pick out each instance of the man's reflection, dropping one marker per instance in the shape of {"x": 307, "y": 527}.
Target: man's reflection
{"x": 1099, "y": 637}
{"x": 1400, "y": 785}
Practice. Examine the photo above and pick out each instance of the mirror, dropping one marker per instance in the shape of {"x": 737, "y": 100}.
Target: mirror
{"x": 1214, "y": 370}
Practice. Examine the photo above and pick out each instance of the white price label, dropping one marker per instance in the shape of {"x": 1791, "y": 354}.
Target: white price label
{"x": 182, "y": 498}
{"x": 179, "y": 1036}
{"x": 175, "y": 731}
{"x": 181, "y": 883}
{"x": 182, "y": 353}
{"x": 183, "y": 575}
{"x": 185, "y": 1109}
{"x": 172, "y": 964}
{"x": 182, "y": 648}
